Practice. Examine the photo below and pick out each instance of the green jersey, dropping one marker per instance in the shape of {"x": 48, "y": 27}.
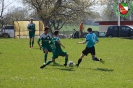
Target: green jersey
{"x": 31, "y": 27}
{"x": 45, "y": 39}
{"x": 55, "y": 44}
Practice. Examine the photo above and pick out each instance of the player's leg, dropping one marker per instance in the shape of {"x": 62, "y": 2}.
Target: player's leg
{"x": 50, "y": 50}
{"x": 30, "y": 37}
{"x": 45, "y": 54}
{"x": 66, "y": 57}
{"x": 47, "y": 63}
{"x": 84, "y": 52}
{"x": 80, "y": 59}
{"x": 32, "y": 41}
{"x": 66, "y": 60}
{"x": 94, "y": 58}
{"x": 50, "y": 61}
{"x": 33, "y": 35}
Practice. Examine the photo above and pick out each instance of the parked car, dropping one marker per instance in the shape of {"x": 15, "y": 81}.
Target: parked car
{"x": 102, "y": 34}
{"x": 7, "y": 31}
{"x": 125, "y": 31}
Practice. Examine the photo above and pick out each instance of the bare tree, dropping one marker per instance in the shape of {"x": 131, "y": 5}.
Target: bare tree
{"x": 18, "y": 13}
{"x": 3, "y": 7}
{"x": 55, "y": 13}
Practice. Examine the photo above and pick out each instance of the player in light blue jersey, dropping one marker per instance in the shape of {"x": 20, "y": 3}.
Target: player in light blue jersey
{"x": 91, "y": 40}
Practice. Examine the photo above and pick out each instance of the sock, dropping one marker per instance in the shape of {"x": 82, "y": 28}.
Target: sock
{"x": 47, "y": 63}
{"x": 32, "y": 43}
{"x": 79, "y": 61}
{"x": 45, "y": 58}
{"x": 66, "y": 60}
{"x": 93, "y": 57}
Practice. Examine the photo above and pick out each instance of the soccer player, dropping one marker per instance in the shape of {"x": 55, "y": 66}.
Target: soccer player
{"x": 57, "y": 51}
{"x": 45, "y": 39}
{"x": 91, "y": 40}
{"x": 31, "y": 29}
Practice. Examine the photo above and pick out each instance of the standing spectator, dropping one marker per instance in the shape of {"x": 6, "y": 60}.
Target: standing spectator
{"x": 81, "y": 28}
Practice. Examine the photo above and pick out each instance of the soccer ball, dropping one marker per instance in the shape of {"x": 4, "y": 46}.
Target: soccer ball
{"x": 70, "y": 63}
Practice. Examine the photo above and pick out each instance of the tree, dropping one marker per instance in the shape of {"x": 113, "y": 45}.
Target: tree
{"x": 3, "y": 7}
{"x": 18, "y": 13}
{"x": 55, "y": 13}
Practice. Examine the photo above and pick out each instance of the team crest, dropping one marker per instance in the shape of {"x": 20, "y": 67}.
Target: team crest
{"x": 123, "y": 8}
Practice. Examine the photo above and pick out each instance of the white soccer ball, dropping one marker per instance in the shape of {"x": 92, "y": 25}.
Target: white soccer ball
{"x": 70, "y": 63}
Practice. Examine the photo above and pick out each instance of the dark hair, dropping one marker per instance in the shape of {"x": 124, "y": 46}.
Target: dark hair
{"x": 46, "y": 28}
{"x": 89, "y": 29}
{"x": 56, "y": 32}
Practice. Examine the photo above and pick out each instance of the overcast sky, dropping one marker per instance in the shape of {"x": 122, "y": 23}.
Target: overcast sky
{"x": 18, "y": 3}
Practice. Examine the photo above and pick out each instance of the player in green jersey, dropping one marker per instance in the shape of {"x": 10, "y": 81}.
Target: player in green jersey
{"x": 31, "y": 29}
{"x": 45, "y": 38}
{"x": 57, "y": 51}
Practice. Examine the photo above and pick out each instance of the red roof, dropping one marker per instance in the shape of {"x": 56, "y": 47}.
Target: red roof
{"x": 114, "y": 22}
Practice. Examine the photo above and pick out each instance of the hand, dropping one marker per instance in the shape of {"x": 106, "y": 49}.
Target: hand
{"x": 63, "y": 46}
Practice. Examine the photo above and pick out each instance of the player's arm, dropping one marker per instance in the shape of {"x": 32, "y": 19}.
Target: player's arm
{"x": 60, "y": 43}
{"x": 87, "y": 39}
{"x": 39, "y": 43}
{"x": 82, "y": 42}
{"x": 35, "y": 27}
{"x": 28, "y": 28}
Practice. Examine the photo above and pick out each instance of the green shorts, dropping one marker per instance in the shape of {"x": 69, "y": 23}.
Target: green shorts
{"x": 47, "y": 47}
{"x": 31, "y": 34}
{"x": 60, "y": 53}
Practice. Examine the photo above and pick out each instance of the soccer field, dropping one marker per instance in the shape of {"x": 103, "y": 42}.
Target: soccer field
{"x": 19, "y": 65}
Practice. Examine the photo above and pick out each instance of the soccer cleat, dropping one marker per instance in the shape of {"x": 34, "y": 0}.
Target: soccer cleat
{"x": 96, "y": 59}
{"x": 77, "y": 65}
{"x": 42, "y": 66}
{"x": 30, "y": 46}
{"x": 65, "y": 65}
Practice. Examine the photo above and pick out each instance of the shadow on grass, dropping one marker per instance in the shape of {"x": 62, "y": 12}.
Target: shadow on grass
{"x": 103, "y": 69}
{"x": 56, "y": 64}
{"x": 67, "y": 69}
{"x": 0, "y": 53}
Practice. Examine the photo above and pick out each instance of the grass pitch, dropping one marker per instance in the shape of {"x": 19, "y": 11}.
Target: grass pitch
{"x": 19, "y": 65}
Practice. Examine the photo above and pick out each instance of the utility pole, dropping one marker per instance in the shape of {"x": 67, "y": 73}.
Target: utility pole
{"x": 119, "y": 19}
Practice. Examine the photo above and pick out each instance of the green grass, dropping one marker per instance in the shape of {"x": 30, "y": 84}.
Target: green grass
{"x": 19, "y": 65}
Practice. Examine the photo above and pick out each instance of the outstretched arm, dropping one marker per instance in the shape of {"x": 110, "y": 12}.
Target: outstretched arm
{"x": 60, "y": 44}
{"x": 82, "y": 42}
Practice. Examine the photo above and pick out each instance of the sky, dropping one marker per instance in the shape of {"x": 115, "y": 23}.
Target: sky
{"x": 17, "y": 3}
{"x": 12, "y": 3}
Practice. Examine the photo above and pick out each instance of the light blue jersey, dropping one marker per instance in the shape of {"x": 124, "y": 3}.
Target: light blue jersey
{"x": 91, "y": 40}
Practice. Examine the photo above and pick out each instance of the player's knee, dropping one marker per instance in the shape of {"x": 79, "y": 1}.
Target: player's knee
{"x": 67, "y": 55}
{"x": 46, "y": 52}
